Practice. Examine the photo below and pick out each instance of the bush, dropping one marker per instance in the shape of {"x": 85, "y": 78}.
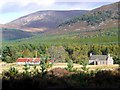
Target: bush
{"x": 116, "y": 59}
{"x": 84, "y": 66}
{"x": 70, "y": 65}
{"x": 26, "y": 70}
{"x": 45, "y": 64}
{"x": 11, "y": 73}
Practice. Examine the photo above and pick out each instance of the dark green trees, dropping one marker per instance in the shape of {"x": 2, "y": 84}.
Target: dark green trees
{"x": 57, "y": 53}
{"x": 9, "y": 54}
{"x": 61, "y": 53}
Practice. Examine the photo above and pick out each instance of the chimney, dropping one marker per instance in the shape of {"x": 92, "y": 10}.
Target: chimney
{"x": 108, "y": 55}
{"x": 90, "y": 54}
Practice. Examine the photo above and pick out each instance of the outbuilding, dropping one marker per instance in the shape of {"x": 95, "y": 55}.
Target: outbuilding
{"x": 30, "y": 61}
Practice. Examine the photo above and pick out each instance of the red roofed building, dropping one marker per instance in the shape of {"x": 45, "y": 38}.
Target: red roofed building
{"x": 51, "y": 61}
{"x": 23, "y": 61}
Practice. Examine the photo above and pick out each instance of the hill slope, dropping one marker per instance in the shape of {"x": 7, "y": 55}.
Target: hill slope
{"x": 44, "y": 20}
{"x": 98, "y": 19}
{"x": 92, "y": 23}
{"x": 14, "y": 34}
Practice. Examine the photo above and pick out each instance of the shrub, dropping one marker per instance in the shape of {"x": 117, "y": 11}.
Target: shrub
{"x": 84, "y": 66}
{"x": 11, "y": 73}
{"x": 26, "y": 70}
{"x": 70, "y": 65}
{"x": 45, "y": 64}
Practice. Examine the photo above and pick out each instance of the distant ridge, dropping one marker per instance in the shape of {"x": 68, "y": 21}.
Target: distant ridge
{"x": 44, "y": 20}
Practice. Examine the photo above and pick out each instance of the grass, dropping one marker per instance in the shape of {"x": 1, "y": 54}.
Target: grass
{"x": 106, "y": 67}
{"x": 61, "y": 65}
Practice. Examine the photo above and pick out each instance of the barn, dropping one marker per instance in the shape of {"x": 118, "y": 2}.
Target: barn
{"x": 30, "y": 61}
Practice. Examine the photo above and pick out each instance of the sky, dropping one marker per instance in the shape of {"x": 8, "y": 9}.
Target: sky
{"x": 13, "y": 9}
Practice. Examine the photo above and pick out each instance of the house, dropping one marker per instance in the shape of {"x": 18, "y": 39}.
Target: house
{"x": 31, "y": 61}
{"x": 100, "y": 59}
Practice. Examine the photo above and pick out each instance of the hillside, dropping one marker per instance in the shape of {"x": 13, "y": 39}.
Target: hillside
{"x": 9, "y": 33}
{"x": 14, "y": 34}
{"x": 44, "y": 20}
{"x": 100, "y": 21}
{"x": 97, "y": 19}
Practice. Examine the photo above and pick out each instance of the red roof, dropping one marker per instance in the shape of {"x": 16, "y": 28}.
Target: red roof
{"x": 51, "y": 60}
{"x": 28, "y": 60}
{"x": 36, "y": 59}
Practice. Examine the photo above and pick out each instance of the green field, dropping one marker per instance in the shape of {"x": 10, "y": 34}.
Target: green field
{"x": 109, "y": 36}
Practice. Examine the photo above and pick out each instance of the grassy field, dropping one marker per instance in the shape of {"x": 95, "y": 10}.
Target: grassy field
{"x": 4, "y": 66}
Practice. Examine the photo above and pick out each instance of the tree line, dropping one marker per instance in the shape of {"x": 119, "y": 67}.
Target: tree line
{"x": 59, "y": 53}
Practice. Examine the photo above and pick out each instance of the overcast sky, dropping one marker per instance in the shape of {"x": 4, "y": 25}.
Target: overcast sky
{"x": 13, "y": 9}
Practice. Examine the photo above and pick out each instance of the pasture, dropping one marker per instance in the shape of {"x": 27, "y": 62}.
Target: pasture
{"x": 5, "y": 66}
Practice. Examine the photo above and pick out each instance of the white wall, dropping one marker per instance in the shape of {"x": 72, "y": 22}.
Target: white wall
{"x": 21, "y": 63}
{"x": 91, "y": 61}
{"x": 110, "y": 61}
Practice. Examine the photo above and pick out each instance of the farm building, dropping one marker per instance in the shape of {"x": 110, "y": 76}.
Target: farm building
{"x": 32, "y": 61}
{"x": 100, "y": 59}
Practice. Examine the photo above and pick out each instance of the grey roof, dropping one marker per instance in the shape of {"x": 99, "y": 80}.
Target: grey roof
{"x": 98, "y": 57}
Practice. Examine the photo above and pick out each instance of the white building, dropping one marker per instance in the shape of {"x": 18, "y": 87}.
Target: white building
{"x": 101, "y": 59}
